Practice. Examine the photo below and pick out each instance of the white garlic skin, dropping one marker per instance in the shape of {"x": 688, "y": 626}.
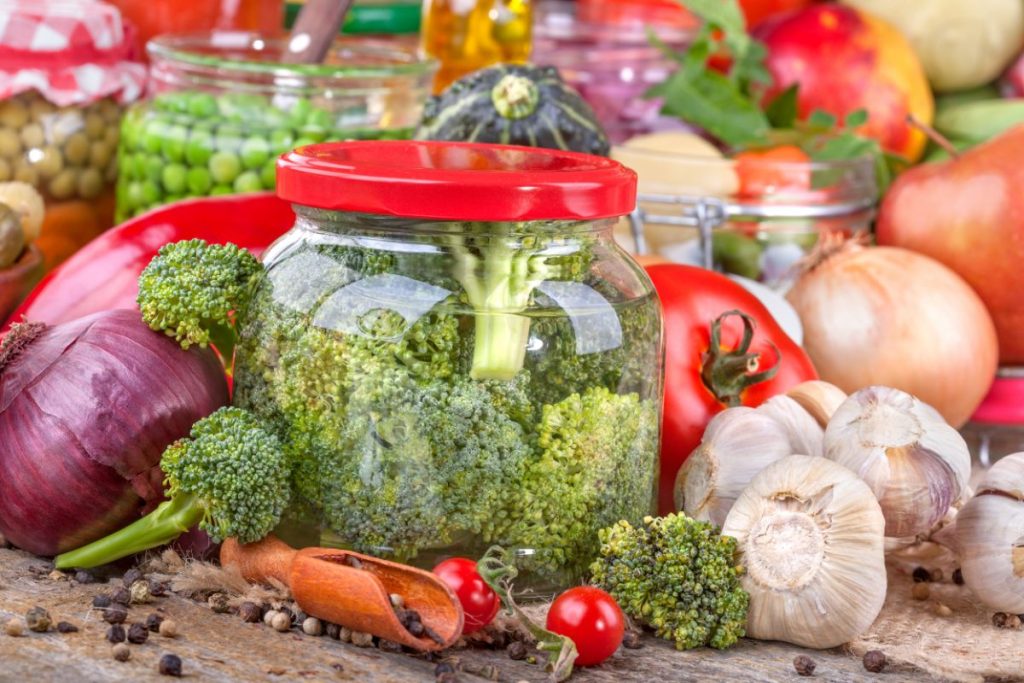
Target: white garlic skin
{"x": 810, "y": 536}
{"x": 818, "y": 398}
{"x": 737, "y": 444}
{"x": 805, "y": 434}
{"x": 990, "y": 535}
{"x": 917, "y": 465}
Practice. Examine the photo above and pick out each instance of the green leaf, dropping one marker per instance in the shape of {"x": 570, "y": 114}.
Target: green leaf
{"x": 822, "y": 119}
{"x": 782, "y": 110}
{"x": 856, "y": 118}
{"x": 712, "y": 102}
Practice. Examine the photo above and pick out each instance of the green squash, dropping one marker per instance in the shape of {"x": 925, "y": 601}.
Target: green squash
{"x": 514, "y": 105}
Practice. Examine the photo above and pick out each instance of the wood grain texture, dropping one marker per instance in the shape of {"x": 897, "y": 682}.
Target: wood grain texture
{"x": 218, "y": 648}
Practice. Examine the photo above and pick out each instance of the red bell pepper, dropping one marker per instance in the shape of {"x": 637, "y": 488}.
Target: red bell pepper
{"x": 104, "y": 274}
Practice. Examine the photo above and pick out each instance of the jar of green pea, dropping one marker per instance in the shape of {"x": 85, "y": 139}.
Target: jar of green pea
{"x": 225, "y": 106}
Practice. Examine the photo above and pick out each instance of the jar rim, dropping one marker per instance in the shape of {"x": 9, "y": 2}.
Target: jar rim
{"x": 455, "y": 181}
{"x": 217, "y": 51}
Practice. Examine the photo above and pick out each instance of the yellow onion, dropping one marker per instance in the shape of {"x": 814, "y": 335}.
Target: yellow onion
{"x": 891, "y": 317}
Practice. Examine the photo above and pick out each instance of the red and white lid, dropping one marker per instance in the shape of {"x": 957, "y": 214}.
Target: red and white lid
{"x": 73, "y": 52}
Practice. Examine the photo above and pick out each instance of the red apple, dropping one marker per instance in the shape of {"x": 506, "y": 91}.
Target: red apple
{"x": 845, "y": 60}
{"x": 968, "y": 213}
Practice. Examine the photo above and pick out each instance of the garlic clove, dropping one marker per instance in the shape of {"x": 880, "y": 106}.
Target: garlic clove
{"x": 737, "y": 444}
{"x": 810, "y": 535}
{"x": 990, "y": 534}
{"x": 805, "y": 434}
{"x": 818, "y": 398}
{"x": 916, "y": 464}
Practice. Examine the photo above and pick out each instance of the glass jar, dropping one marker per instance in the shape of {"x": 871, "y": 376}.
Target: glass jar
{"x": 603, "y": 51}
{"x": 457, "y": 353}
{"x": 61, "y": 100}
{"x": 224, "y": 109}
{"x": 753, "y": 217}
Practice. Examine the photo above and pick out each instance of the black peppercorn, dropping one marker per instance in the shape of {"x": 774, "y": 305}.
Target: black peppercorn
{"x": 804, "y": 665}
{"x": 389, "y": 646}
{"x": 116, "y": 634}
{"x": 170, "y": 665}
{"x": 138, "y": 634}
{"x": 250, "y": 612}
{"x": 415, "y": 629}
{"x": 131, "y": 576}
{"x": 443, "y": 668}
{"x": 66, "y": 627}
{"x": 517, "y": 650}
{"x": 101, "y": 601}
{"x": 875, "y": 661}
{"x": 958, "y": 577}
{"x": 631, "y": 640}
{"x": 921, "y": 575}
{"x": 38, "y": 619}
{"x": 332, "y": 631}
{"x": 82, "y": 576}
{"x": 153, "y": 622}
{"x": 115, "y": 614}
{"x": 157, "y": 589}
{"x": 122, "y": 596}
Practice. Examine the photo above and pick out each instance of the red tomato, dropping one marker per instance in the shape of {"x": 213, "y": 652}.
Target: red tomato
{"x": 592, "y": 619}
{"x": 692, "y": 300}
{"x": 479, "y": 603}
{"x": 757, "y": 10}
{"x": 771, "y": 171}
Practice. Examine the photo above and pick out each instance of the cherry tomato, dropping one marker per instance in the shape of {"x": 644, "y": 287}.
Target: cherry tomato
{"x": 479, "y": 603}
{"x": 770, "y": 171}
{"x": 701, "y": 380}
{"x": 592, "y": 619}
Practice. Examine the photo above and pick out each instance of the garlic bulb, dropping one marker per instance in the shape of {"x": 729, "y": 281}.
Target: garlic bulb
{"x": 810, "y": 535}
{"x": 818, "y": 398}
{"x": 990, "y": 533}
{"x": 805, "y": 434}
{"x": 916, "y": 464}
{"x": 737, "y": 444}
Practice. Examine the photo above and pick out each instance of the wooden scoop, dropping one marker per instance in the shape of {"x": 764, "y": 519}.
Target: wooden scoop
{"x": 353, "y": 590}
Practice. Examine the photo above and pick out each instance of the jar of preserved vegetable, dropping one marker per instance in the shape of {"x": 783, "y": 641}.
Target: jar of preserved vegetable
{"x": 457, "y": 353}
{"x": 224, "y": 107}
{"x": 66, "y": 69}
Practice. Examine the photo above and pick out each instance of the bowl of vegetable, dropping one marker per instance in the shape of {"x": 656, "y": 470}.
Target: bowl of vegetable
{"x": 225, "y": 106}
{"x": 753, "y": 212}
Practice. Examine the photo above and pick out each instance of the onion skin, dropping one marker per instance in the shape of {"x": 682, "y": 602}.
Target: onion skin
{"x": 891, "y": 317}
{"x": 86, "y": 410}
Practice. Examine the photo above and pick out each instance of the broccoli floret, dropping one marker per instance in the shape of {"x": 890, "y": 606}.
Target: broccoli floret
{"x": 192, "y": 291}
{"x": 593, "y": 465}
{"x": 677, "y": 576}
{"x": 499, "y": 266}
{"x": 229, "y": 477}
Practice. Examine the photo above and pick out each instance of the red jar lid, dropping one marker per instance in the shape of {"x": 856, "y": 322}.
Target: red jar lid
{"x": 455, "y": 181}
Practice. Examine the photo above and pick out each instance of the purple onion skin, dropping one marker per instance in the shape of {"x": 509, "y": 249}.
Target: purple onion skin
{"x": 86, "y": 411}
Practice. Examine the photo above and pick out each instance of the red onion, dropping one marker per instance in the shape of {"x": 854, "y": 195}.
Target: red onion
{"x": 86, "y": 410}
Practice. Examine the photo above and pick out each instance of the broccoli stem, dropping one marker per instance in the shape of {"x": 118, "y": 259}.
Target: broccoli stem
{"x": 167, "y": 522}
{"x": 224, "y": 338}
{"x": 499, "y": 283}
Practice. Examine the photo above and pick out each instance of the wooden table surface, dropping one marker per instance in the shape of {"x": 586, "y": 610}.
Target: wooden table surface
{"x": 220, "y": 648}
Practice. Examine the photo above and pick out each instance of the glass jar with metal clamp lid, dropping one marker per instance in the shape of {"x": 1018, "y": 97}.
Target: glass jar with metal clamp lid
{"x": 706, "y": 210}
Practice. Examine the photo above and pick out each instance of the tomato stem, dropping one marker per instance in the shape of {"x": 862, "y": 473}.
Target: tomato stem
{"x": 727, "y": 373}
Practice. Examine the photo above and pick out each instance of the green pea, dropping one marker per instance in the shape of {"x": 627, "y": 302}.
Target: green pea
{"x": 150, "y": 192}
{"x": 199, "y": 181}
{"x": 199, "y": 148}
{"x": 281, "y": 140}
{"x": 219, "y": 190}
{"x": 224, "y": 167}
{"x": 174, "y": 141}
{"x": 275, "y": 118}
{"x": 255, "y": 152}
{"x": 174, "y": 178}
{"x": 202, "y": 105}
{"x": 90, "y": 183}
{"x": 248, "y": 182}
{"x": 303, "y": 141}
{"x": 153, "y": 137}
{"x": 321, "y": 118}
{"x": 229, "y": 137}
{"x": 314, "y": 133}
{"x": 171, "y": 198}
{"x": 134, "y": 197}
{"x": 300, "y": 110}
{"x": 154, "y": 169}
{"x": 138, "y": 165}
{"x": 268, "y": 174}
